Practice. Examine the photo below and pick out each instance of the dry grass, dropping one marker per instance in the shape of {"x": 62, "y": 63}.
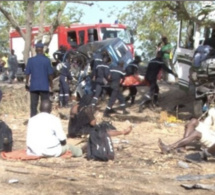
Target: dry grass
{"x": 15, "y": 101}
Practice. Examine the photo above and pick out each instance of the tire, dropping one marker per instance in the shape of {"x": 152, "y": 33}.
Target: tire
{"x": 197, "y": 108}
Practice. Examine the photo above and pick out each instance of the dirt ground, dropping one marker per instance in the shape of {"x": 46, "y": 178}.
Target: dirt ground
{"x": 139, "y": 167}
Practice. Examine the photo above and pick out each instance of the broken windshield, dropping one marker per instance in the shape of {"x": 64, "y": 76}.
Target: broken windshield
{"x": 121, "y": 33}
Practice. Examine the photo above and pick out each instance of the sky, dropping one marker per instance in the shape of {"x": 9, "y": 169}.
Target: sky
{"x": 101, "y": 10}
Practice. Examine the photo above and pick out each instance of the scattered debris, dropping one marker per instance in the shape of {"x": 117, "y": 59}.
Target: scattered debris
{"x": 170, "y": 124}
{"x": 195, "y": 157}
{"x": 199, "y": 186}
{"x": 173, "y": 119}
{"x": 183, "y": 164}
{"x": 125, "y": 141}
{"x": 13, "y": 181}
{"x": 101, "y": 176}
{"x": 166, "y": 118}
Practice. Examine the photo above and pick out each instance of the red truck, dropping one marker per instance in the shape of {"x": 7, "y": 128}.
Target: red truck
{"x": 73, "y": 36}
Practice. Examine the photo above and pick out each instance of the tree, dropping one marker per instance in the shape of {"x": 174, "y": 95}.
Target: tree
{"x": 29, "y": 5}
{"x": 152, "y": 19}
{"x": 29, "y": 13}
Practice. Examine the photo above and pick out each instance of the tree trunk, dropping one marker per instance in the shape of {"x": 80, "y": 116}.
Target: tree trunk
{"x": 29, "y": 21}
{"x": 56, "y": 22}
{"x": 41, "y": 24}
{"x": 29, "y": 14}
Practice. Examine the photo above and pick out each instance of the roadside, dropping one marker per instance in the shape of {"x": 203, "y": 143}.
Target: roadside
{"x": 139, "y": 167}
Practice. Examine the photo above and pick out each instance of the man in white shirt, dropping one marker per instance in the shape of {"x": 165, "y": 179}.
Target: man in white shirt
{"x": 45, "y": 135}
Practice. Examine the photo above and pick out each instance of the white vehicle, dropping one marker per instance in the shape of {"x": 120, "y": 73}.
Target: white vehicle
{"x": 190, "y": 36}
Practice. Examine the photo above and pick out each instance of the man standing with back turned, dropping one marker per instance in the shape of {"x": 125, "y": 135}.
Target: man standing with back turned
{"x": 45, "y": 135}
{"x": 39, "y": 71}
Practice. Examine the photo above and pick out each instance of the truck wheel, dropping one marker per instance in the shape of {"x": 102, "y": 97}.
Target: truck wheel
{"x": 197, "y": 108}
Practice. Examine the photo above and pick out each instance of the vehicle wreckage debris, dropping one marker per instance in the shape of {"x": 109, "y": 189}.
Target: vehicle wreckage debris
{"x": 199, "y": 186}
{"x": 183, "y": 165}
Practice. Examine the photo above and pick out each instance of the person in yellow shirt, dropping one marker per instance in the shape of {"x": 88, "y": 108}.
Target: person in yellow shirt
{"x": 5, "y": 69}
{"x": 2, "y": 63}
{"x": 167, "y": 56}
{"x": 46, "y": 53}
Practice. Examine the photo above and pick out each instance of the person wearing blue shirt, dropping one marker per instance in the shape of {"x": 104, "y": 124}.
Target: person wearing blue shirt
{"x": 38, "y": 73}
{"x": 102, "y": 73}
{"x": 117, "y": 75}
{"x": 132, "y": 69}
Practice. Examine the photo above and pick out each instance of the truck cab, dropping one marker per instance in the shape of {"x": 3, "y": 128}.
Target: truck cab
{"x": 115, "y": 47}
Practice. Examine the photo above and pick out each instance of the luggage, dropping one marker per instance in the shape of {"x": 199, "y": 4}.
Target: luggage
{"x": 6, "y": 138}
{"x": 100, "y": 146}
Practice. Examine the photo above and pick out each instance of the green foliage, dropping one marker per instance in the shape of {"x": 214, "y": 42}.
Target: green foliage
{"x": 150, "y": 23}
{"x": 17, "y": 9}
{"x": 150, "y": 20}
{"x": 4, "y": 42}
{"x": 70, "y": 15}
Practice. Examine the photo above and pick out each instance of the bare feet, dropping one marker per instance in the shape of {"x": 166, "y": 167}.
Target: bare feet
{"x": 164, "y": 149}
{"x": 126, "y": 132}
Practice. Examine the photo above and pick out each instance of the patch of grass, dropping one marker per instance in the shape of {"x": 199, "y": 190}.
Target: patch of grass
{"x": 14, "y": 102}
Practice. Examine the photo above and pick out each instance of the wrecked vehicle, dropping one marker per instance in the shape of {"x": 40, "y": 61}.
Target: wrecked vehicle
{"x": 80, "y": 60}
{"x": 202, "y": 76}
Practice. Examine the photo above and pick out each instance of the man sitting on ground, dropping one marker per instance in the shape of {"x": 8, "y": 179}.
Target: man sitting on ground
{"x": 82, "y": 120}
{"x": 45, "y": 135}
{"x": 196, "y": 130}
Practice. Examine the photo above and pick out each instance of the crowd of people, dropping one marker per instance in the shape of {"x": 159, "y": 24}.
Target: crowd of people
{"x": 45, "y": 135}
{"x": 106, "y": 79}
{"x": 50, "y": 140}
{"x": 39, "y": 82}
{"x": 8, "y": 66}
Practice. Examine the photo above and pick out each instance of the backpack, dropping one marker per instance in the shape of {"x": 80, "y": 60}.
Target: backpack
{"x": 6, "y": 139}
{"x": 100, "y": 146}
